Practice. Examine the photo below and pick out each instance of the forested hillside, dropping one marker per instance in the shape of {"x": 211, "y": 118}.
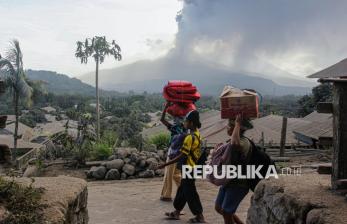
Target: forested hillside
{"x": 60, "y": 83}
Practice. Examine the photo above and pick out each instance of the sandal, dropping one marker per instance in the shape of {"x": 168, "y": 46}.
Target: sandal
{"x": 172, "y": 216}
{"x": 168, "y": 213}
{"x": 196, "y": 220}
{"x": 165, "y": 199}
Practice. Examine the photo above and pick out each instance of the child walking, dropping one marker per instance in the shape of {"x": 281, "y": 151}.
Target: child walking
{"x": 189, "y": 155}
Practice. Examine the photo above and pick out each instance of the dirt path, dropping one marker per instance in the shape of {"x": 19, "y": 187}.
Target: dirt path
{"x": 137, "y": 201}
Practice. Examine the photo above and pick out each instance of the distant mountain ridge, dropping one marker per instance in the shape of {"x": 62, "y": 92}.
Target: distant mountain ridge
{"x": 151, "y": 76}
{"x": 62, "y": 84}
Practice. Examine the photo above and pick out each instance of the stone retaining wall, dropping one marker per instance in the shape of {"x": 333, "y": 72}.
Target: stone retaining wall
{"x": 295, "y": 200}
{"x": 65, "y": 199}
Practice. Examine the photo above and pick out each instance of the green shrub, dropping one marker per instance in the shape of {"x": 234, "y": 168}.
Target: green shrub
{"x": 23, "y": 202}
{"x": 101, "y": 151}
{"x": 33, "y": 117}
{"x": 109, "y": 137}
{"x": 161, "y": 140}
{"x": 28, "y": 121}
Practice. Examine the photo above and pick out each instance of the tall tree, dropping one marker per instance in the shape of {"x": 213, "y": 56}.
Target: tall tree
{"x": 98, "y": 48}
{"x": 11, "y": 68}
{"x": 308, "y": 103}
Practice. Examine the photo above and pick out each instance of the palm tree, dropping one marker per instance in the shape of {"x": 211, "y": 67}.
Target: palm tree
{"x": 12, "y": 70}
{"x": 98, "y": 48}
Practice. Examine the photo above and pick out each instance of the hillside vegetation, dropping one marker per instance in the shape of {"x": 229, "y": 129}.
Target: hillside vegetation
{"x": 62, "y": 84}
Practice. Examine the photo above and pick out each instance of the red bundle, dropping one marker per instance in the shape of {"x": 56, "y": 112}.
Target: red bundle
{"x": 181, "y": 92}
{"x": 183, "y": 95}
{"x": 180, "y": 109}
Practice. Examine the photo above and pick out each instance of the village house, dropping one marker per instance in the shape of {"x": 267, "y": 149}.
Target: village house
{"x": 318, "y": 132}
{"x": 337, "y": 75}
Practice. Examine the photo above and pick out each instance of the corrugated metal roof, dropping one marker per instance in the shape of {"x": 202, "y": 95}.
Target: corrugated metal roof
{"x": 317, "y": 117}
{"x": 214, "y": 130}
{"x": 26, "y": 131}
{"x": 8, "y": 140}
{"x": 270, "y": 125}
{"x": 321, "y": 125}
{"x": 53, "y": 127}
{"x": 207, "y": 118}
{"x": 335, "y": 71}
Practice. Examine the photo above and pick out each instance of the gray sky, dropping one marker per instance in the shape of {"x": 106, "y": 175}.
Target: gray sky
{"x": 48, "y": 30}
{"x": 286, "y": 37}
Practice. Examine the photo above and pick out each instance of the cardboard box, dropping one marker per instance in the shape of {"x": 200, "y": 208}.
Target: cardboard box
{"x": 235, "y": 101}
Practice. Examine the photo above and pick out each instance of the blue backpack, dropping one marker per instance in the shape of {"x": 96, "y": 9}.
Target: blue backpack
{"x": 176, "y": 145}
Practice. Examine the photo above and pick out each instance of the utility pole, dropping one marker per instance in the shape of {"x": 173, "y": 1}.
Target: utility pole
{"x": 283, "y": 136}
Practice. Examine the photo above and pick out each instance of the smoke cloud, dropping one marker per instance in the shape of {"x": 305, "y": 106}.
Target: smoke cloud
{"x": 272, "y": 36}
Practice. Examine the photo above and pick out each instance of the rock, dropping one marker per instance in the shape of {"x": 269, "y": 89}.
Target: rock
{"x": 142, "y": 153}
{"x": 151, "y": 148}
{"x": 112, "y": 157}
{"x": 89, "y": 174}
{"x": 133, "y": 164}
{"x": 152, "y": 163}
{"x": 112, "y": 174}
{"x": 123, "y": 153}
{"x": 152, "y": 160}
{"x": 93, "y": 168}
{"x": 127, "y": 160}
{"x": 99, "y": 172}
{"x": 160, "y": 172}
{"x": 139, "y": 169}
{"x": 114, "y": 164}
{"x": 123, "y": 176}
{"x": 133, "y": 150}
{"x": 129, "y": 169}
{"x": 131, "y": 177}
{"x": 142, "y": 164}
{"x": 4, "y": 213}
{"x": 143, "y": 157}
{"x": 134, "y": 157}
{"x": 146, "y": 174}
{"x": 161, "y": 154}
{"x": 31, "y": 171}
{"x": 280, "y": 203}
{"x": 315, "y": 216}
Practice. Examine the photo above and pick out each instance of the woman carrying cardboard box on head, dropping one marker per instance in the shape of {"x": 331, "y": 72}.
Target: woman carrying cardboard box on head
{"x": 235, "y": 190}
{"x": 238, "y": 106}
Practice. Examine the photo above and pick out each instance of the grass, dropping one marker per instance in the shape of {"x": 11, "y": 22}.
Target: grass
{"x": 161, "y": 140}
{"x": 101, "y": 151}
